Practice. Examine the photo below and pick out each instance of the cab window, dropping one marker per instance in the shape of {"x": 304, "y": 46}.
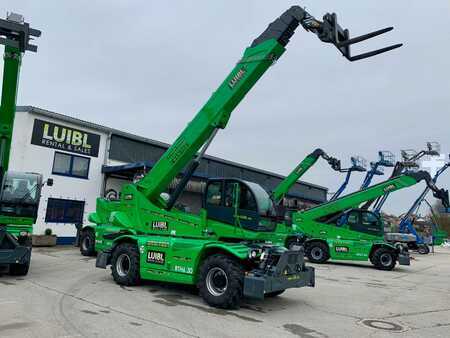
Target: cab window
{"x": 247, "y": 200}
{"x": 368, "y": 219}
{"x": 352, "y": 218}
{"x": 214, "y": 194}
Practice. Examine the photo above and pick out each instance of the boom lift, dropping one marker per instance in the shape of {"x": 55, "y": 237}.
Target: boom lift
{"x": 406, "y": 225}
{"x": 385, "y": 159}
{"x": 283, "y": 188}
{"x": 341, "y": 230}
{"x": 224, "y": 250}
{"x": 19, "y": 191}
{"x": 358, "y": 164}
{"x": 410, "y": 161}
{"x": 439, "y": 235}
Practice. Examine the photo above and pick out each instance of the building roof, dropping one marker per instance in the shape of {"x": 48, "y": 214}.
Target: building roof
{"x": 109, "y": 130}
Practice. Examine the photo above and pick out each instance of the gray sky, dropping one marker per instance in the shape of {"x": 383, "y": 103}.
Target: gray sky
{"x": 146, "y": 67}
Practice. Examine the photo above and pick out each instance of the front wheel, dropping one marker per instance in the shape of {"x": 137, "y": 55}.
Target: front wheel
{"x": 384, "y": 259}
{"x": 317, "y": 252}
{"x": 221, "y": 282}
{"x": 125, "y": 264}
{"x": 87, "y": 242}
{"x": 423, "y": 249}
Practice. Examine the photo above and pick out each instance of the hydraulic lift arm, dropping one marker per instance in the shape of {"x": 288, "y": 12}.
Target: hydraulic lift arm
{"x": 214, "y": 115}
{"x": 386, "y": 159}
{"x": 15, "y": 34}
{"x": 282, "y": 189}
{"x": 353, "y": 200}
{"x": 416, "y": 205}
{"x": 409, "y": 161}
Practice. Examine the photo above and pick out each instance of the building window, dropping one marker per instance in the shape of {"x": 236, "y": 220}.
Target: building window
{"x": 71, "y": 165}
{"x": 64, "y": 211}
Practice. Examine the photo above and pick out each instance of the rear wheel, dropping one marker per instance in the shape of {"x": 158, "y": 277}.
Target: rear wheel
{"x": 423, "y": 249}
{"x": 125, "y": 264}
{"x": 87, "y": 242}
{"x": 384, "y": 259}
{"x": 317, "y": 252}
{"x": 221, "y": 282}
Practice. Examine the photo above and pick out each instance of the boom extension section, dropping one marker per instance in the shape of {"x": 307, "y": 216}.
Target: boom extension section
{"x": 262, "y": 53}
{"x": 15, "y": 34}
{"x": 353, "y": 200}
{"x": 282, "y": 189}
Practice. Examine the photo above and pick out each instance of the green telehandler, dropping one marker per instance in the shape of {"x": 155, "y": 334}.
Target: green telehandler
{"x": 231, "y": 248}
{"x": 20, "y": 192}
{"x": 344, "y": 229}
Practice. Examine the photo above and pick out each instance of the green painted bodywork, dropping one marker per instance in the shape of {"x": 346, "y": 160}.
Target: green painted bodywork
{"x": 359, "y": 244}
{"x": 185, "y": 239}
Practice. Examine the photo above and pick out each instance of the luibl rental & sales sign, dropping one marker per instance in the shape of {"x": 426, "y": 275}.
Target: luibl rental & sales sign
{"x": 52, "y": 135}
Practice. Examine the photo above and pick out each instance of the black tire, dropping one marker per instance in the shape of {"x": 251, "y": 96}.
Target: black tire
{"x": 125, "y": 264}
{"x": 423, "y": 249}
{"x": 273, "y": 294}
{"x": 317, "y": 252}
{"x": 221, "y": 281}
{"x": 19, "y": 269}
{"x": 384, "y": 259}
{"x": 87, "y": 242}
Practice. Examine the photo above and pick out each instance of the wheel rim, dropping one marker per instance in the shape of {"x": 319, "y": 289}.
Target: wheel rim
{"x": 216, "y": 281}
{"x": 86, "y": 243}
{"x": 316, "y": 253}
{"x": 386, "y": 259}
{"x": 123, "y": 265}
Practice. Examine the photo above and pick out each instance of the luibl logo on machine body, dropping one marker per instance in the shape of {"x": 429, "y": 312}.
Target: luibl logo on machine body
{"x": 52, "y": 135}
{"x": 156, "y": 257}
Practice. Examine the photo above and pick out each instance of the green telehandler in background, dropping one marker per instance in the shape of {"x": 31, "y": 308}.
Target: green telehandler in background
{"x": 230, "y": 249}
{"x": 344, "y": 229}
{"x": 20, "y": 192}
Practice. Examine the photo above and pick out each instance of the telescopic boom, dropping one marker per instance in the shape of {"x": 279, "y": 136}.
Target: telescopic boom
{"x": 283, "y": 188}
{"x": 214, "y": 115}
{"x": 353, "y": 200}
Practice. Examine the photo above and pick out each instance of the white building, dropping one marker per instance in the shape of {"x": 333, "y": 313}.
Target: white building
{"x": 87, "y": 160}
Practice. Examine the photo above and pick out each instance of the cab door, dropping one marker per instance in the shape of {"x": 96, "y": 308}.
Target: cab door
{"x": 219, "y": 203}
{"x": 345, "y": 244}
{"x": 368, "y": 228}
{"x": 247, "y": 211}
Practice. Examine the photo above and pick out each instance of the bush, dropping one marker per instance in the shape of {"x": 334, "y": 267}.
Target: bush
{"x": 48, "y": 232}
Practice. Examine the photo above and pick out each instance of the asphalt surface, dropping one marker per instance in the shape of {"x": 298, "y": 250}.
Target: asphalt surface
{"x": 64, "y": 295}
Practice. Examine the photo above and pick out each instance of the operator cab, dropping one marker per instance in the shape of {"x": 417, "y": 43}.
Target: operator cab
{"x": 361, "y": 220}
{"x": 227, "y": 198}
{"x": 20, "y": 194}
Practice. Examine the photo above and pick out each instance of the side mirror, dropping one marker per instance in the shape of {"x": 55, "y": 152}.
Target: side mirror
{"x": 49, "y": 182}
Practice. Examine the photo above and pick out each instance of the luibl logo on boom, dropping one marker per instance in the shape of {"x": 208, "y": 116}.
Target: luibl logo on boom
{"x": 237, "y": 77}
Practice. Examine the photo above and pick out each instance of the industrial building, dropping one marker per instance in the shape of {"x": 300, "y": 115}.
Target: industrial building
{"x": 87, "y": 160}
